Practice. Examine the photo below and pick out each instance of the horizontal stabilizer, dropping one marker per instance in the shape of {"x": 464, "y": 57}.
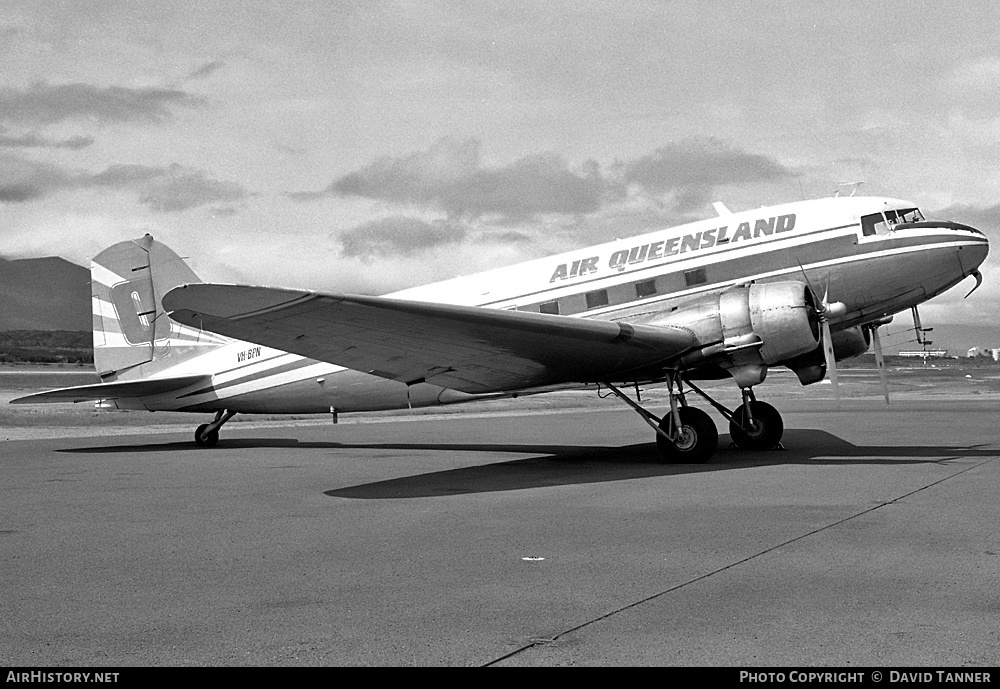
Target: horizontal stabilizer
{"x": 466, "y": 348}
{"x": 112, "y": 391}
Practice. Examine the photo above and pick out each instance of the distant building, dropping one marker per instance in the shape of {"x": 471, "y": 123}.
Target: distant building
{"x": 927, "y": 353}
{"x": 993, "y": 353}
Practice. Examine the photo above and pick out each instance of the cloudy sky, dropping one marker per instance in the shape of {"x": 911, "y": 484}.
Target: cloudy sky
{"x": 369, "y": 146}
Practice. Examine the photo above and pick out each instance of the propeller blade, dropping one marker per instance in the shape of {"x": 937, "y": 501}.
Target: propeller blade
{"x": 880, "y": 362}
{"x": 831, "y": 361}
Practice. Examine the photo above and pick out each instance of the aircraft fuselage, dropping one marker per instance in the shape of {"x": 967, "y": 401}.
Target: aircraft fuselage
{"x": 876, "y": 256}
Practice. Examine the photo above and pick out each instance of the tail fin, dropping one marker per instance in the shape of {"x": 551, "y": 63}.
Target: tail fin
{"x": 133, "y": 337}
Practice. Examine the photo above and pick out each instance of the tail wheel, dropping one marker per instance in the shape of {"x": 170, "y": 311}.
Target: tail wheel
{"x": 203, "y": 439}
{"x": 762, "y": 433}
{"x": 696, "y": 441}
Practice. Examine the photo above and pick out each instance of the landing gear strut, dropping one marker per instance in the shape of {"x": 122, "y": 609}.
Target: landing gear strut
{"x": 207, "y": 434}
{"x": 754, "y": 425}
{"x": 685, "y": 435}
{"x": 688, "y": 435}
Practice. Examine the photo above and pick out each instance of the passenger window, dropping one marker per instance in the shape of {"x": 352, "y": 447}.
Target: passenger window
{"x": 646, "y": 288}
{"x": 695, "y": 277}
{"x": 549, "y": 307}
{"x": 597, "y": 298}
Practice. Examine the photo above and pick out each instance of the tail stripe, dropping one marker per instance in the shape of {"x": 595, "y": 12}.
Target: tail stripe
{"x": 133, "y": 336}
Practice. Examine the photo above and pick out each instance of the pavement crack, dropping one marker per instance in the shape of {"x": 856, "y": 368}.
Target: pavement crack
{"x": 547, "y": 641}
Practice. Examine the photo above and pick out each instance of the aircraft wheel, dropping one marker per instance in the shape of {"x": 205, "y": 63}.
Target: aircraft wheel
{"x": 203, "y": 439}
{"x": 763, "y": 433}
{"x": 697, "y": 441}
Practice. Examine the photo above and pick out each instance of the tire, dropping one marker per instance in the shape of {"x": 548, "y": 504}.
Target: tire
{"x": 697, "y": 443}
{"x": 201, "y": 439}
{"x": 763, "y": 433}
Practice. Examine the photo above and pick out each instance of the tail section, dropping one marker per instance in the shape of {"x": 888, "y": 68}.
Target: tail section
{"x": 133, "y": 337}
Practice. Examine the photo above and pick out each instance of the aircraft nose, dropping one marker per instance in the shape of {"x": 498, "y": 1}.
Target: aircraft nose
{"x": 974, "y": 253}
{"x": 973, "y": 246}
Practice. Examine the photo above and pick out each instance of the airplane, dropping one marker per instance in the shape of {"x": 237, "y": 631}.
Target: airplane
{"x": 799, "y": 285}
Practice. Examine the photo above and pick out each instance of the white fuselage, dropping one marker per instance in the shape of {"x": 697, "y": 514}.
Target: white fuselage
{"x": 873, "y": 271}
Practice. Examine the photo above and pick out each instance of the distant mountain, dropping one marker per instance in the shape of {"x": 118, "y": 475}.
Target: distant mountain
{"x": 54, "y": 294}
{"x": 44, "y": 294}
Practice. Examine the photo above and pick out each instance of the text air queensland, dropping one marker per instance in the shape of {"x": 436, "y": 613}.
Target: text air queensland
{"x": 696, "y": 241}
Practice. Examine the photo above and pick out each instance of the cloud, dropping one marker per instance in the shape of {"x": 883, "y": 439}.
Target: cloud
{"x": 450, "y": 177}
{"x": 693, "y": 167}
{"x": 37, "y": 141}
{"x": 124, "y": 176}
{"x": 20, "y": 192}
{"x": 180, "y": 189}
{"x": 418, "y": 177}
{"x": 44, "y": 104}
{"x": 397, "y": 235}
{"x": 165, "y": 189}
{"x": 536, "y": 204}
{"x": 206, "y": 69}
{"x": 23, "y": 180}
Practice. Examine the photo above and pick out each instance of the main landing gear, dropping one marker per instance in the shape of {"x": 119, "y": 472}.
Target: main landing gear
{"x": 686, "y": 435}
{"x": 207, "y": 434}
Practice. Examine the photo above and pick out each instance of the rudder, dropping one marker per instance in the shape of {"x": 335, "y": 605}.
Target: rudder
{"x": 133, "y": 336}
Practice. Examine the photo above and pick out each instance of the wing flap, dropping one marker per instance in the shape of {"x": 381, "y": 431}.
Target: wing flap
{"x": 465, "y": 348}
{"x": 111, "y": 391}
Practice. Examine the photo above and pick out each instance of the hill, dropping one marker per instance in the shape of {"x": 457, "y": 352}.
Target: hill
{"x": 44, "y": 294}
{"x": 46, "y": 346}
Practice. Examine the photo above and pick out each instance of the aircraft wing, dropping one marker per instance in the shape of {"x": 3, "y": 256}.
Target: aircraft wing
{"x": 113, "y": 391}
{"x": 465, "y": 348}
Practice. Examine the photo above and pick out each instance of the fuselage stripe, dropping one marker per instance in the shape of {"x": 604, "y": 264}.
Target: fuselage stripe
{"x": 253, "y": 377}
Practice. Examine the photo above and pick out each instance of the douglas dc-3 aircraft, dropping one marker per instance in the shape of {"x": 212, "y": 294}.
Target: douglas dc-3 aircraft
{"x": 797, "y": 285}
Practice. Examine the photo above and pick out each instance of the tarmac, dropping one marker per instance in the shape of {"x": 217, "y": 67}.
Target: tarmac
{"x": 549, "y": 538}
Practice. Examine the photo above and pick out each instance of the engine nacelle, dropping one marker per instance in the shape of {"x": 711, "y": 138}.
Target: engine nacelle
{"x": 745, "y": 329}
{"x": 850, "y": 342}
{"x": 811, "y": 367}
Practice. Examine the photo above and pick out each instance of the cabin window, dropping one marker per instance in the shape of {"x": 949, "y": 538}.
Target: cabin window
{"x": 597, "y": 298}
{"x": 549, "y": 307}
{"x": 695, "y": 277}
{"x": 646, "y": 288}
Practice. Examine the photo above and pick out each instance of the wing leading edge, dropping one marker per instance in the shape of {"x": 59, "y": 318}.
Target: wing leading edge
{"x": 465, "y": 348}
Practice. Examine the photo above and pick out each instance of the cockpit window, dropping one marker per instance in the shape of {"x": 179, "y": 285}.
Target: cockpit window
{"x": 902, "y": 216}
{"x": 880, "y": 223}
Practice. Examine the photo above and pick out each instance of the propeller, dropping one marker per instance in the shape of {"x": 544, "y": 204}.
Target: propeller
{"x": 879, "y": 359}
{"x": 825, "y": 310}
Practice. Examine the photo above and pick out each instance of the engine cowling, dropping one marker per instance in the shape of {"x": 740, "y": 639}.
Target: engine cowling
{"x": 850, "y": 342}
{"x": 747, "y": 328}
{"x": 811, "y": 367}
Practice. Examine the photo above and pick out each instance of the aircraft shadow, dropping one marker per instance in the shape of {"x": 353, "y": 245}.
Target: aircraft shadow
{"x": 554, "y": 465}
{"x": 569, "y": 465}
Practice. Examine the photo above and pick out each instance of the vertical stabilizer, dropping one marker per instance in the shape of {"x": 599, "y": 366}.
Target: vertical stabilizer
{"x": 133, "y": 337}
